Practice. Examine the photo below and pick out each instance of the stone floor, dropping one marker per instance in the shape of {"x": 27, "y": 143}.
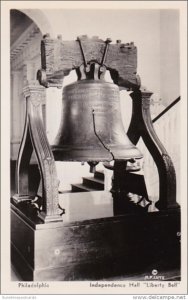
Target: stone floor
{"x": 172, "y": 276}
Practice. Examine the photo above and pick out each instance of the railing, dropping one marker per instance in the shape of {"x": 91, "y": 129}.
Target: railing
{"x": 166, "y": 109}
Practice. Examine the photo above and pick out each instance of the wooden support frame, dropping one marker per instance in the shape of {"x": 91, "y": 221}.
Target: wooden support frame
{"x": 34, "y": 139}
{"x": 141, "y": 126}
{"x": 121, "y": 61}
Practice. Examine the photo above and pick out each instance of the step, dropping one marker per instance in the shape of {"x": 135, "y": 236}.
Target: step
{"x": 94, "y": 183}
{"x": 99, "y": 174}
{"x": 80, "y": 188}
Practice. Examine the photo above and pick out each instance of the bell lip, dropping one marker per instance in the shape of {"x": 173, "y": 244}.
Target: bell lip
{"x": 61, "y": 155}
{"x": 125, "y": 153}
{"x": 79, "y": 155}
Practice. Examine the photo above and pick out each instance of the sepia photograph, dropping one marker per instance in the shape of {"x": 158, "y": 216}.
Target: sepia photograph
{"x": 94, "y": 148}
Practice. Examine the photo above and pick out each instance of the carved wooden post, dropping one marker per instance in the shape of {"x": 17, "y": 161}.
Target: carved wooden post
{"x": 34, "y": 138}
{"x": 141, "y": 126}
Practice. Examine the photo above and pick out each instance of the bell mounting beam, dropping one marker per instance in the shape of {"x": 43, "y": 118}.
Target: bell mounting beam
{"x": 59, "y": 57}
{"x": 34, "y": 139}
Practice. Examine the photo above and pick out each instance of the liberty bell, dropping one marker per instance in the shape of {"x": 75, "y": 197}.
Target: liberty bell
{"x": 91, "y": 128}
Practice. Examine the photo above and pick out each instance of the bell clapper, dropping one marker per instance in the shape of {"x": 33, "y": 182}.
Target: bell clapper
{"x": 92, "y": 165}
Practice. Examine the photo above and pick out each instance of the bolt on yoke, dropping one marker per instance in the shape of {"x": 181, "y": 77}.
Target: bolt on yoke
{"x": 92, "y": 70}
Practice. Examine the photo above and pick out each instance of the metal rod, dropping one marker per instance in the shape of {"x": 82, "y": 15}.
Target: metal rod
{"x": 107, "y": 42}
{"x": 166, "y": 109}
{"x": 82, "y": 51}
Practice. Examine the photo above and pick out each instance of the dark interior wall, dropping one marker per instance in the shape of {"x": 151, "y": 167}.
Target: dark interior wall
{"x": 19, "y": 22}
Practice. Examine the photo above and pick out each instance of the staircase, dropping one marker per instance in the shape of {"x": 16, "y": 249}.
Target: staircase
{"x": 95, "y": 183}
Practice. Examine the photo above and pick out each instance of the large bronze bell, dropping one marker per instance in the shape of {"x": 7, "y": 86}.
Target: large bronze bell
{"x": 91, "y": 128}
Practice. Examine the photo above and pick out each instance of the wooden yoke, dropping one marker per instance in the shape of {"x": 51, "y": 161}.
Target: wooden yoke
{"x": 60, "y": 57}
